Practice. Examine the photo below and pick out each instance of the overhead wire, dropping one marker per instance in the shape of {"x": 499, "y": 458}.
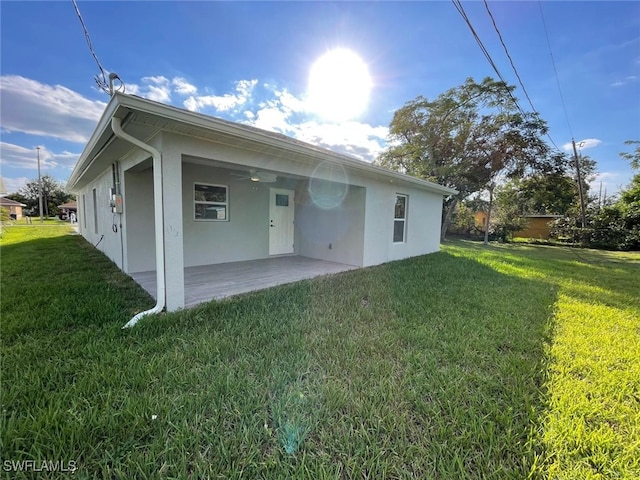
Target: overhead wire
{"x": 101, "y": 79}
{"x": 515, "y": 70}
{"x": 463, "y": 14}
{"x": 555, "y": 70}
{"x": 460, "y": 9}
{"x": 506, "y": 50}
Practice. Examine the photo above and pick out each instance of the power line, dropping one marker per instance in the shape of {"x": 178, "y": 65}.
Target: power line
{"x": 101, "y": 80}
{"x": 462, "y": 13}
{"x": 555, "y": 71}
{"x": 515, "y": 70}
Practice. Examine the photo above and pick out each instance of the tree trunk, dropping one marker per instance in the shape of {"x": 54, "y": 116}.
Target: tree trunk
{"x": 447, "y": 219}
{"x": 486, "y": 230}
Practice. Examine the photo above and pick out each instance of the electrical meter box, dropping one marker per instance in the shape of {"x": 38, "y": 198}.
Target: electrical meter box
{"x": 116, "y": 203}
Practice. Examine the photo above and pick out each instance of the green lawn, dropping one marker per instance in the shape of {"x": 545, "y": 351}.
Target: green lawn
{"x": 476, "y": 362}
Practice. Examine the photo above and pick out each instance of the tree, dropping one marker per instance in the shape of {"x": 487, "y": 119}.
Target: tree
{"x": 507, "y": 145}
{"x": 464, "y": 219}
{"x": 634, "y": 158}
{"x": 551, "y": 194}
{"x": 469, "y": 138}
{"x": 508, "y": 217}
{"x": 53, "y": 194}
{"x": 554, "y": 192}
{"x": 624, "y": 216}
{"x": 616, "y": 225}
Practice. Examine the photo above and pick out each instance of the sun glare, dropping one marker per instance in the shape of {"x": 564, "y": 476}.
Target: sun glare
{"x": 339, "y": 85}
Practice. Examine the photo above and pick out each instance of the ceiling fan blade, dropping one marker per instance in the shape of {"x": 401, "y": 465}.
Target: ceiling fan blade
{"x": 257, "y": 176}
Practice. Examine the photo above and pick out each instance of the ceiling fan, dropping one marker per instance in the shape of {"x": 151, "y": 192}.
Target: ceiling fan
{"x": 258, "y": 176}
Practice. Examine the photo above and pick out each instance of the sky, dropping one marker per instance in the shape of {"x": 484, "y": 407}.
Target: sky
{"x": 252, "y": 62}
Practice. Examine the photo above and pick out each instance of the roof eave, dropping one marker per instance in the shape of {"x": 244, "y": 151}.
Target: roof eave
{"x": 225, "y": 127}
{"x": 94, "y": 144}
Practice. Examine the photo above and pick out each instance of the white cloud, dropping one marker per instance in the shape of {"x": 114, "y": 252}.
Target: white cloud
{"x": 582, "y": 144}
{"x": 156, "y": 88}
{"x": 14, "y": 184}
{"x": 272, "y": 118}
{"x": 183, "y": 87}
{"x": 17, "y": 156}
{"x": 245, "y": 87}
{"x": 55, "y": 111}
{"x": 281, "y": 114}
{"x": 626, "y": 81}
{"x": 359, "y": 140}
{"x": 223, "y": 103}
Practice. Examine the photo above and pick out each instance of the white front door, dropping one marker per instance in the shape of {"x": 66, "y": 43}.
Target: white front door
{"x": 280, "y": 221}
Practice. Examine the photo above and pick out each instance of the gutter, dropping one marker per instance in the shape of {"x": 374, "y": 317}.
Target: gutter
{"x": 116, "y": 126}
{"x": 276, "y": 140}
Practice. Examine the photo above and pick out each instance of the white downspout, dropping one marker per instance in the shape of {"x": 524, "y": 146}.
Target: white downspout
{"x": 159, "y": 214}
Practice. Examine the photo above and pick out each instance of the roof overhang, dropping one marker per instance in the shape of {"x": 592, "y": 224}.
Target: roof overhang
{"x": 145, "y": 118}
{"x": 10, "y": 203}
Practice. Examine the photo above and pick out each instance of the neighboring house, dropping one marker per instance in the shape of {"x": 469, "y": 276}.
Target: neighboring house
{"x": 481, "y": 220}
{"x": 14, "y": 208}
{"x": 165, "y": 190}
{"x": 66, "y": 208}
{"x": 538, "y": 226}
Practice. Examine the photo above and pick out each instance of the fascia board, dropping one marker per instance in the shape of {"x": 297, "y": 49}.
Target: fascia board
{"x": 94, "y": 145}
{"x": 244, "y": 132}
{"x": 274, "y": 140}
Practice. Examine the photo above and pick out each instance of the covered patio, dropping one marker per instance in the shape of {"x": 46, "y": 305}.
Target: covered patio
{"x": 212, "y": 282}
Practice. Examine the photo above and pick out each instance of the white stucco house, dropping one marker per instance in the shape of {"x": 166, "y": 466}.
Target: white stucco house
{"x": 165, "y": 190}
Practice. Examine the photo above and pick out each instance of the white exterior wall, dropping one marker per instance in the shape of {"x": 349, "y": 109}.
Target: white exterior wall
{"x": 358, "y": 230}
{"x": 140, "y": 224}
{"x": 335, "y": 234}
{"x": 424, "y": 211}
{"x": 105, "y": 239}
{"x": 245, "y": 236}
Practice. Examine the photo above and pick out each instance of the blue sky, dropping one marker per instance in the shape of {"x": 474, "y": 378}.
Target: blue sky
{"x": 250, "y": 62}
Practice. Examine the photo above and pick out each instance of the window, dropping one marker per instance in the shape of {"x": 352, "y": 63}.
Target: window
{"x": 282, "y": 200}
{"x": 400, "y": 219}
{"x": 84, "y": 211}
{"x": 95, "y": 211}
{"x": 211, "y": 202}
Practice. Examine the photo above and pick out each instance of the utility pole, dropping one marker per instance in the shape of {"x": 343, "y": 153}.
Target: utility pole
{"x": 582, "y": 211}
{"x": 39, "y": 188}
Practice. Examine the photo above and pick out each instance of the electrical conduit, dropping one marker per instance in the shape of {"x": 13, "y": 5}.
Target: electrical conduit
{"x": 158, "y": 211}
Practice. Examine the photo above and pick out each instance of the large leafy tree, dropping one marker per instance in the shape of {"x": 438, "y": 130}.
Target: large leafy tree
{"x": 469, "y": 138}
{"x": 553, "y": 192}
{"x": 53, "y": 194}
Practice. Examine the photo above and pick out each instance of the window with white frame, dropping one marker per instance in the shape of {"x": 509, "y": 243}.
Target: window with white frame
{"x": 210, "y": 202}
{"x": 400, "y": 219}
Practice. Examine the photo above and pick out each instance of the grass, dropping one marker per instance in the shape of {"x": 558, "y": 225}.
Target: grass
{"x": 475, "y": 362}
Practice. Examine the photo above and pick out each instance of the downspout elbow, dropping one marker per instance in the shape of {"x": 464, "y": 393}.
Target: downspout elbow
{"x": 116, "y": 126}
